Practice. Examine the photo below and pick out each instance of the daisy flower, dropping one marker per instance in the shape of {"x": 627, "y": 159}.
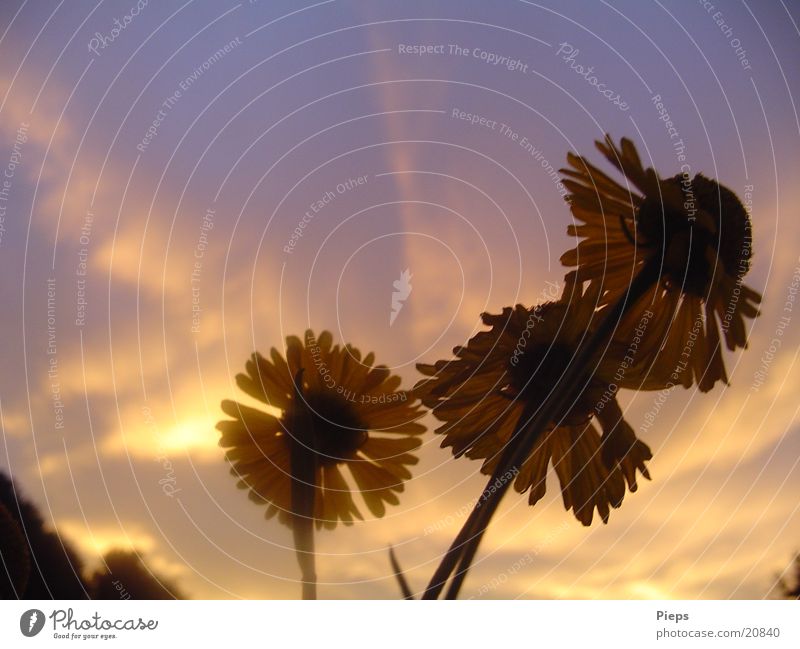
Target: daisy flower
{"x": 357, "y": 416}
{"x": 699, "y": 235}
{"x": 504, "y": 374}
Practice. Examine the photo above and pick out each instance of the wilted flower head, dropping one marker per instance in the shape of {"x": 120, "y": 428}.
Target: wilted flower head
{"x": 510, "y": 370}
{"x": 699, "y": 233}
{"x": 358, "y": 418}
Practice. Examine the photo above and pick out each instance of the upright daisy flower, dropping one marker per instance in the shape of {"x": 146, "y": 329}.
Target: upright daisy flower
{"x": 509, "y": 370}
{"x": 344, "y": 411}
{"x": 696, "y": 230}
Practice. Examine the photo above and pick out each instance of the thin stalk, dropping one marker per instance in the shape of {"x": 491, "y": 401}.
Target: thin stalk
{"x": 303, "y": 533}
{"x": 467, "y": 555}
{"x": 481, "y": 522}
{"x": 398, "y": 573}
{"x": 465, "y": 545}
{"x": 303, "y": 490}
{"x": 468, "y": 530}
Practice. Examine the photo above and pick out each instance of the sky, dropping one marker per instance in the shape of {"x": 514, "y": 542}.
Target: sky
{"x": 157, "y": 158}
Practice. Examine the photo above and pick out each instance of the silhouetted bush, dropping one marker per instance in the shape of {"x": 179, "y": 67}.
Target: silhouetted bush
{"x": 36, "y": 563}
{"x": 55, "y": 568}
{"x": 15, "y": 563}
{"x": 126, "y": 576}
{"x": 791, "y": 589}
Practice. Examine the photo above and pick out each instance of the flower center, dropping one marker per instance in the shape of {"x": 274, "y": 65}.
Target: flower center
{"x": 338, "y": 431}
{"x": 538, "y": 371}
{"x": 686, "y": 235}
{"x": 733, "y": 224}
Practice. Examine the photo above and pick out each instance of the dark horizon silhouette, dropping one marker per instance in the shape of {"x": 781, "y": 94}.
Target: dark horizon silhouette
{"x": 38, "y": 563}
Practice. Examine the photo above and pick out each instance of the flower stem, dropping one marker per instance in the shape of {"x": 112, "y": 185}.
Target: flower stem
{"x": 303, "y": 532}
{"x": 462, "y": 551}
{"x": 303, "y": 489}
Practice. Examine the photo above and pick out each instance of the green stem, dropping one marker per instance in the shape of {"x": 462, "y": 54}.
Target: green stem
{"x": 463, "y": 549}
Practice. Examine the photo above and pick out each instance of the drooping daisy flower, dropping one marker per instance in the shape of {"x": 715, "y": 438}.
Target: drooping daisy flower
{"x": 358, "y": 418}
{"x": 698, "y": 235}
{"x": 510, "y": 370}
